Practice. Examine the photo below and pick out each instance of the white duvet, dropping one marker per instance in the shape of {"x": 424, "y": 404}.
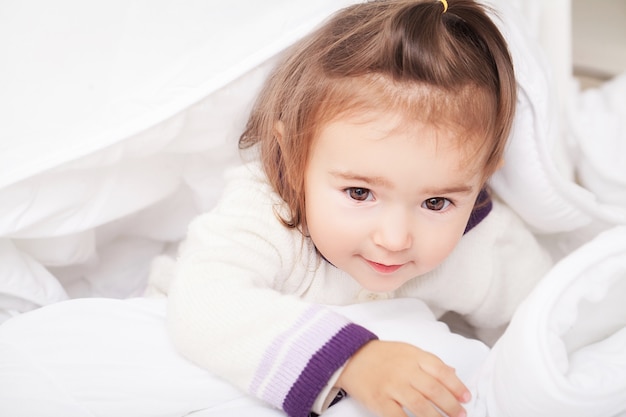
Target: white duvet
{"x": 113, "y": 141}
{"x": 564, "y": 353}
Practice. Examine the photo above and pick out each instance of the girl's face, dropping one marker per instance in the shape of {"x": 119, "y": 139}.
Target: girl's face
{"x": 386, "y": 204}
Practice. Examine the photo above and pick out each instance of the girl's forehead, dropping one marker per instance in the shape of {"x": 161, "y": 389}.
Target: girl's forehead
{"x": 443, "y": 136}
{"x": 384, "y": 123}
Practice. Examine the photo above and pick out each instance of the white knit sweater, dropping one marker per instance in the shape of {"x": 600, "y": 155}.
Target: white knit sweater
{"x": 247, "y": 300}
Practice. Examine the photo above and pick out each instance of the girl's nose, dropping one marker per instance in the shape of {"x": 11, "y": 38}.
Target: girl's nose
{"x": 393, "y": 231}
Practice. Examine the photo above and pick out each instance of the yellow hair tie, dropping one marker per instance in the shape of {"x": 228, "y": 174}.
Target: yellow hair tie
{"x": 445, "y": 5}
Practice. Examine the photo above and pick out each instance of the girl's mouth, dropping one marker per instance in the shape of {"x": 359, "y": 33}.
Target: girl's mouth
{"x": 382, "y": 268}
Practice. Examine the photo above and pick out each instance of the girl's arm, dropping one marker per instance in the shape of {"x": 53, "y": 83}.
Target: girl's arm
{"x": 234, "y": 307}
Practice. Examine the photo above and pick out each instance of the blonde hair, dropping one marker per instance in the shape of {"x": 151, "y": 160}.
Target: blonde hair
{"x": 449, "y": 68}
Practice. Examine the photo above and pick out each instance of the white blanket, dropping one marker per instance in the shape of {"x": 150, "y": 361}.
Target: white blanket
{"x": 104, "y": 357}
{"x": 564, "y": 354}
{"x": 109, "y": 149}
{"x": 119, "y": 119}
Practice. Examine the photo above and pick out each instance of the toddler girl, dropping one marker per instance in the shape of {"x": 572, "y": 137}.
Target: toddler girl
{"x": 373, "y": 141}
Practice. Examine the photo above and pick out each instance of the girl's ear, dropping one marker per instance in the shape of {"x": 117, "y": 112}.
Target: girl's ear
{"x": 500, "y": 164}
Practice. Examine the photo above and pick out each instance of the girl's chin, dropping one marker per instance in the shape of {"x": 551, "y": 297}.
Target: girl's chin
{"x": 382, "y": 287}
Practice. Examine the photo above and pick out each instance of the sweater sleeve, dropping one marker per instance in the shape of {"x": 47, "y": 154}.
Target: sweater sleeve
{"x": 234, "y": 308}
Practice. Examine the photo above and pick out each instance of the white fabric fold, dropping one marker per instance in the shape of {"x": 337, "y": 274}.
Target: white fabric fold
{"x": 598, "y": 128}
{"x": 531, "y": 180}
{"x": 564, "y": 353}
{"x": 104, "y": 357}
{"x": 113, "y": 118}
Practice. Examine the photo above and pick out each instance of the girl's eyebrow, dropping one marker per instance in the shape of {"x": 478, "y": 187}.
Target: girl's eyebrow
{"x": 350, "y": 176}
{"x": 453, "y": 189}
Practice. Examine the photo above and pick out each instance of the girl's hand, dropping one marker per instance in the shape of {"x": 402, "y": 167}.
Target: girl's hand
{"x": 386, "y": 376}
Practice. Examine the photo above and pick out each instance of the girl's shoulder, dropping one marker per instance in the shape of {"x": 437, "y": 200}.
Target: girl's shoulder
{"x": 248, "y": 188}
{"x": 247, "y": 206}
{"x": 250, "y": 173}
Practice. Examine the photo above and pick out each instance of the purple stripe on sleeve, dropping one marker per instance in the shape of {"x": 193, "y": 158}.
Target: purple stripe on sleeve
{"x": 321, "y": 367}
{"x": 289, "y": 366}
{"x": 271, "y": 355}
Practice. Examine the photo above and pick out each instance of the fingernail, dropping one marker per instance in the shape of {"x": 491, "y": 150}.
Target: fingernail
{"x": 467, "y": 396}
{"x": 463, "y": 414}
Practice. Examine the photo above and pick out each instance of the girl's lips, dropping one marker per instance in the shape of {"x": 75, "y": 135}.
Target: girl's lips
{"x": 382, "y": 268}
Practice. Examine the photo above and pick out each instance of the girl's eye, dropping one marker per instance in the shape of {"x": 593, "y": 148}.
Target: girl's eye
{"x": 436, "y": 204}
{"x": 359, "y": 194}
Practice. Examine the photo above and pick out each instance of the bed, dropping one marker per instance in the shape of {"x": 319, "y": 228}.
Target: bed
{"x": 119, "y": 119}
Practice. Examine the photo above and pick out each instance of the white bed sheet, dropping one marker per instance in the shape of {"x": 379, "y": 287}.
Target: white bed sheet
{"x": 104, "y": 357}
{"x": 564, "y": 353}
